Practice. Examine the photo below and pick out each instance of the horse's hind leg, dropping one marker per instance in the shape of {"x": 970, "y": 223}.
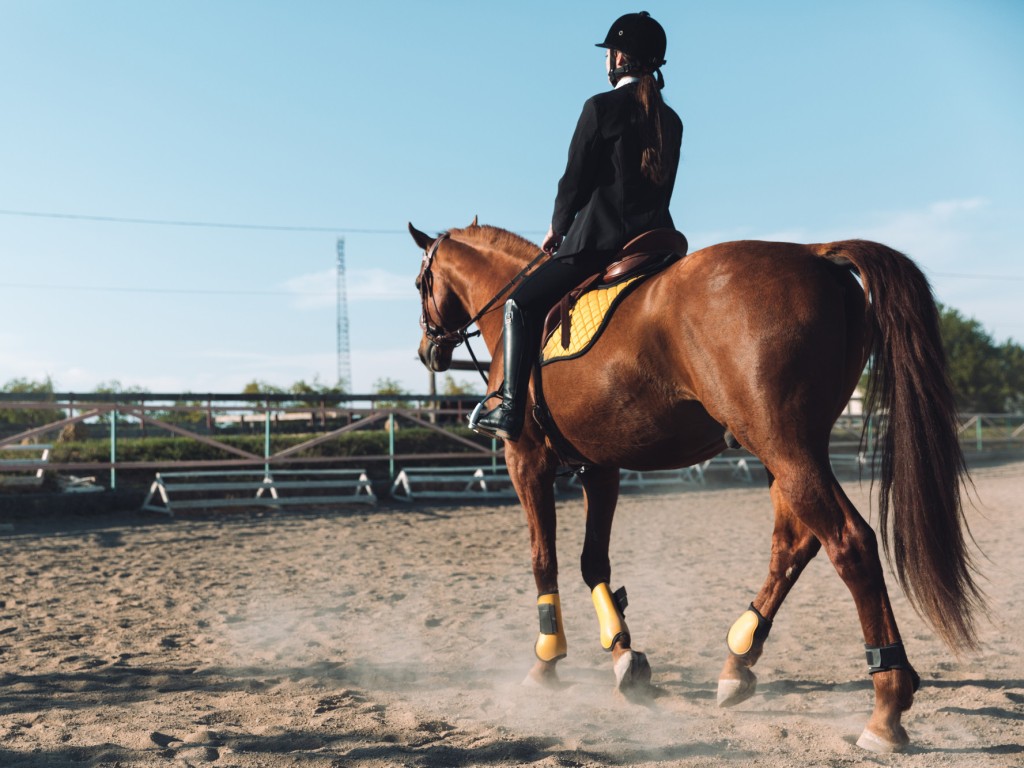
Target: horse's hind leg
{"x": 601, "y": 494}
{"x": 819, "y": 502}
{"x": 854, "y": 553}
{"x": 793, "y": 546}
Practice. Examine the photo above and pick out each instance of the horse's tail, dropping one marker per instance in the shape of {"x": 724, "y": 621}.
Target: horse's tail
{"x": 922, "y": 464}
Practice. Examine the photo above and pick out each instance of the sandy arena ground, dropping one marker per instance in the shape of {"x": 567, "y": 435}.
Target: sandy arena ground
{"x": 400, "y": 636}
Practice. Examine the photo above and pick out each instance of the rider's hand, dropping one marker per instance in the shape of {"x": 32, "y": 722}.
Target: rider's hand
{"x": 551, "y": 241}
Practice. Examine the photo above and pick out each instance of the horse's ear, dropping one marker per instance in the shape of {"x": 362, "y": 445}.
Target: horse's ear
{"x": 423, "y": 240}
{"x": 474, "y": 224}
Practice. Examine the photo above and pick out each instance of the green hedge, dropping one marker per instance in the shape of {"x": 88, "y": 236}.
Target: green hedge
{"x": 357, "y": 443}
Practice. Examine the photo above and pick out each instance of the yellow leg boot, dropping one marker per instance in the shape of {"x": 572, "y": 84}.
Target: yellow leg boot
{"x": 746, "y": 637}
{"x": 610, "y": 609}
{"x": 551, "y": 643}
{"x": 632, "y": 670}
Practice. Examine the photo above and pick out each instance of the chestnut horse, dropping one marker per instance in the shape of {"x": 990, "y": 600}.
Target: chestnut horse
{"x": 765, "y": 340}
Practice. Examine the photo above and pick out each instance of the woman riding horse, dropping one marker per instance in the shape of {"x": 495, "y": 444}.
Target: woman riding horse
{"x": 617, "y": 184}
{"x": 704, "y": 347}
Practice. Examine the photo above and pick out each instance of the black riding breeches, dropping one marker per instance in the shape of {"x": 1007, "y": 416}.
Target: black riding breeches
{"x": 546, "y": 286}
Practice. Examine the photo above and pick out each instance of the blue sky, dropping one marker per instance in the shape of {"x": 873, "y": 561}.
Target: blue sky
{"x": 806, "y": 121}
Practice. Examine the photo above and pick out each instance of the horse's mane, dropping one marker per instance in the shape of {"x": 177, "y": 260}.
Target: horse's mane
{"x": 497, "y": 239}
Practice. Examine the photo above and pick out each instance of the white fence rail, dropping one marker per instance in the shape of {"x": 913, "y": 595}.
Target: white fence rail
{"x": 331, "y": 417}
{"x": 468, "y": 482}
{"x": 19, "y": 472}
{"x": 172, "y": 491}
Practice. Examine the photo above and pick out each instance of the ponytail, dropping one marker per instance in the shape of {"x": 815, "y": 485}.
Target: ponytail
{"x": 649, "y": 101}
{"x": 649, "y": 104}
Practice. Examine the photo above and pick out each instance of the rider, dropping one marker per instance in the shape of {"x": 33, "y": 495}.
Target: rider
{"x": 617, "y": 184}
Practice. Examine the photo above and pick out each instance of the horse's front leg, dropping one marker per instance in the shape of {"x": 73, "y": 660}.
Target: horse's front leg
{"x": 533, "y": 475}
{"x": 601, "y": 494}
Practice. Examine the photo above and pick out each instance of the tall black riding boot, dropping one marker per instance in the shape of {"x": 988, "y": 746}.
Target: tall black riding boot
{"x": 506, "y": 421}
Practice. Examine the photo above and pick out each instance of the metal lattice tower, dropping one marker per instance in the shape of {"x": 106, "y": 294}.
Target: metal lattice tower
{"x": 344, "y": 379}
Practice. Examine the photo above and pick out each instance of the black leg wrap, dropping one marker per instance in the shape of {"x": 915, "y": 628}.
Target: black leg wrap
{"x": 881, "y": 658}
{"x": 621, "y": 600}
{"x": 548, "y": 619}
{"x": 886, "y": 657}
{"x": 764, "y": 626}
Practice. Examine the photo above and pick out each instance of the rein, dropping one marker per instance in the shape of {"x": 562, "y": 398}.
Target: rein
{"x": 437, "y": 335}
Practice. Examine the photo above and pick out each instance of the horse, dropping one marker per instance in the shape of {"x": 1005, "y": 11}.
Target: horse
{"x": 766, "y": 342}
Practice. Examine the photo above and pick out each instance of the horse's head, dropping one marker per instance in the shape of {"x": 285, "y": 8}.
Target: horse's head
{"x": 464, "y": 279}
{"x": 444, "y": 316}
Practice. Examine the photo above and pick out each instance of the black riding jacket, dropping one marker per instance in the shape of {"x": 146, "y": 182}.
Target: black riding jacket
{"x": 603, "y": 198}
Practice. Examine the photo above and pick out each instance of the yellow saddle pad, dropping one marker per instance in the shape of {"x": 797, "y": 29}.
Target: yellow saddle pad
{"x": 587, "y": 319}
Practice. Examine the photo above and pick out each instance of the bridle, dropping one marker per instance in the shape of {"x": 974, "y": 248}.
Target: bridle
{"x": 450, "y": 339}
{"x": 435, "y": 334}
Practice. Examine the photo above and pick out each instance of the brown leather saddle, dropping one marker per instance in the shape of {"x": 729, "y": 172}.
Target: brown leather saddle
{"x": 643, "y": 255}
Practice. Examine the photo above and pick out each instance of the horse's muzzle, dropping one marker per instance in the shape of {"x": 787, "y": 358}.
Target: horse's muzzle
{"x": 434, "y": 357}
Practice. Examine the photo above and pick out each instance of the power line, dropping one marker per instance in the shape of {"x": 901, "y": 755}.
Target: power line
{"x": 976, "y": 277}
{"x": 280, "y": 228}
{"x": 193, "y": 291}
{"x": 207, "y": 224}
{"x": 215, "y": 224}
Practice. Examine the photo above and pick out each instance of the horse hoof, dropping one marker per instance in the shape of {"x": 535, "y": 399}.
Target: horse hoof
{"x": 543, "y": 675}
{"x": 732, "y": 691}
{"x": 633, "y": 675}
{"x": 872, "y": 742}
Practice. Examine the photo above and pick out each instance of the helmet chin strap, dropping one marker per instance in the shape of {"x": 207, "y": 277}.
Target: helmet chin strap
{"x": 617, "y": 73}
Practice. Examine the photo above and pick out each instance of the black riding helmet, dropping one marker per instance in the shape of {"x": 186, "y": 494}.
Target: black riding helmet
{"x": 638, "y": 36}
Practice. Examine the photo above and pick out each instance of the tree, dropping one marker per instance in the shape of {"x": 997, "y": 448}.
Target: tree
{"x": 453, "y": 387}
{"x": 986, "y": 378}
{"x": 976, "y": 366}
{"x": 257, "y": 387}
{"x": 1011, "y": 357}
{"x": 313, "y": 394}
{"x": 189, "y": 418}
{"x": 386, "y": 386}
{"x": 15, "y": 420}
{"x": 114, "y": 387}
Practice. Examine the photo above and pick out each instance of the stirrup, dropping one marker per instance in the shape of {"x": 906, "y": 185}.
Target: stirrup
{"x": 508, "y": 428}
{"x": 477, "y": 412}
